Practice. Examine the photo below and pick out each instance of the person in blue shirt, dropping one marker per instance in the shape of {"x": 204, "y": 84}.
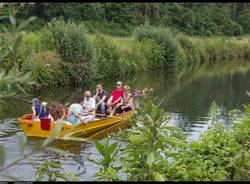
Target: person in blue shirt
{"x": 76, "y": 110}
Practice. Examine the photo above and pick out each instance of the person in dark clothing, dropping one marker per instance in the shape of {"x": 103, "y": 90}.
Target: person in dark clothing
{"x": 101, "y": 98}
{"x": 39, "y": 111}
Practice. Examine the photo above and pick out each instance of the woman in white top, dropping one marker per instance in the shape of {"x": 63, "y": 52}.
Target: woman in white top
{"x": 88, "y": 108}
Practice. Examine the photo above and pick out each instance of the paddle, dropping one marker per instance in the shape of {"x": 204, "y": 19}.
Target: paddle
{"x": 104, "y": 115}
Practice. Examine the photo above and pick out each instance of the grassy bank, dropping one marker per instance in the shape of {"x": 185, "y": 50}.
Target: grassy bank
{"x": 67, "y": 54}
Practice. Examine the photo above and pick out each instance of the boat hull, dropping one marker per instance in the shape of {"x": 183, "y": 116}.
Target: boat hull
{"x": 33, "y": 128}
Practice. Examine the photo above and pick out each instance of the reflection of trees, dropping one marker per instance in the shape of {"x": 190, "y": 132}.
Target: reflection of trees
{"x": 192, "y": 93}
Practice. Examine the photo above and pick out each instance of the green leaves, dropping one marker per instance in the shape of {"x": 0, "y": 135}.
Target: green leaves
{"x": 24, "y": 24}
{"x": 160, "y": 153}
{"x": 175, "y": 141}
{"x": 2, "y": 156}
{"x": 136, "y": 139}
{"x": 158, "y": 177}
{"x": 150, "y": 159}
{"x": 108, "y": 153}
{"x": 53, "y": 171}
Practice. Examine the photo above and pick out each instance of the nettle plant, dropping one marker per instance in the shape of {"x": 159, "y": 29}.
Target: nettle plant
{"x": 143, "y": 156}
{"x": 154, "y": 151}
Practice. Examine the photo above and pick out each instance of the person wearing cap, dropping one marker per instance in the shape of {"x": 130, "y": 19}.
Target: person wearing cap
{"x": 39, "y": 111}
{"x": 114, "y": 100}
{"x": 126, "y": 103}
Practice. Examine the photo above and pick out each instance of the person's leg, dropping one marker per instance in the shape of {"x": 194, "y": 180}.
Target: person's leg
{"x": 109, "y": 107}
{"x": 115, "y": 110}
{"x": 127, "y": 109}
{"x": 87, "y": 119}
{"x": 103, "y": 108}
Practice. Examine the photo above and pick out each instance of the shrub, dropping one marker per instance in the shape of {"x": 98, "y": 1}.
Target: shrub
{"x": 74, "y": 48}
{"x": 71, "y": 42}
{"x": 106, "y": 59}
{"x": 165, "y": 38}
{"x": 47, "y": 40}
{"x": 47, "y": 69}
{"x": 154, "y": 56}
{"x": 109, "y": 28}
{"x": 114, "y": 59}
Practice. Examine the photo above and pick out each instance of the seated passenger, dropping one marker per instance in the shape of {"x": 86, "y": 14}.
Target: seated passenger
{"x": 88, "y": 108}
{"x": 56, "y": 110}
{"x": 75, "y": 111}
{"x": 126, "y": 103}
{"x": 38, "y": 110}
{"x": 101, "y": 98}
{"x": 65, "y": 112}
{"x": 48, "y": 110}
{"x": 114, "y": 100}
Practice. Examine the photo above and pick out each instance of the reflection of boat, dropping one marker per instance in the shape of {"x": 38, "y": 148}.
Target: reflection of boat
{"x": 37, "y": 129}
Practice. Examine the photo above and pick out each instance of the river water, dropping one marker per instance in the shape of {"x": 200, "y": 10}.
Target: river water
{"x": 187, "y": 97}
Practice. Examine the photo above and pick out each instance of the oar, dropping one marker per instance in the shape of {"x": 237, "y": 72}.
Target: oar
{"x": 104, "y": 115}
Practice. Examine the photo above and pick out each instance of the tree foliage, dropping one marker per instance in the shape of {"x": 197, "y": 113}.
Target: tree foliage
{"x": 192, "y": 18}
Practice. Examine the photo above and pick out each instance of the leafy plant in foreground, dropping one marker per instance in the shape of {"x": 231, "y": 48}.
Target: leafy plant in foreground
{"x": 48, "y": 169}
{"x": 109, "y": 152}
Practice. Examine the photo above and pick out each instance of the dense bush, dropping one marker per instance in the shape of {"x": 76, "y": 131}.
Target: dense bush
{"x": 107, "y": 63}
{"x": 166, "y": 39}
{"x": 110, "y": 28}
{"x": 71, "y": 42}
{"x": 74, "y": 48}
{"x": 47, "y": 69}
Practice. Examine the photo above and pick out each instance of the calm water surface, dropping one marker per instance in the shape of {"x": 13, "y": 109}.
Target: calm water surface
{"x": 187, "y": 99}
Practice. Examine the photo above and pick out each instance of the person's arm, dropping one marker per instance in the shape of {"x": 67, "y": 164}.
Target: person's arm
{"x": 110, "y": 100}
{"x": 130, "y": 103}
{"x": 34, "y": 112}
{"x": 102, "y": 100}
{"x": 121, "y": 102}
{"x": 95, "y": 95}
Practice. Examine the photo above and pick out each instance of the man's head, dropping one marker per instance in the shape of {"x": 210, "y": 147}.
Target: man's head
{"x": 119, "y": 85}
{"x": 87, "y": 94}
{"x": 99, "y": 87}
{"x": 80, "y": 99}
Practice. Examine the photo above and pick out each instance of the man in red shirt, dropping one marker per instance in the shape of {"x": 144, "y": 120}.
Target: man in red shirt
{"x": 113, "y": 102}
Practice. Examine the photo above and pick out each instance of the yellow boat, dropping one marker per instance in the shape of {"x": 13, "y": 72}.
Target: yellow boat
{"x": 35, "y": 129}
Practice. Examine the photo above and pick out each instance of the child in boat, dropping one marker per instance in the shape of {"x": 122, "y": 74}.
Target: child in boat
{"x": 39, "y": 111}
{"x": 126, "y": 103}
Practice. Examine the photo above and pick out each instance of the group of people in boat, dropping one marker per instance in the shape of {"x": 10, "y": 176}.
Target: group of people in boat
{"x": 87, "y": 106}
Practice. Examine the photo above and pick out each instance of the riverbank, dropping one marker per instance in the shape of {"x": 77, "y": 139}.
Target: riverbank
{"x": 66, "y": 54}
